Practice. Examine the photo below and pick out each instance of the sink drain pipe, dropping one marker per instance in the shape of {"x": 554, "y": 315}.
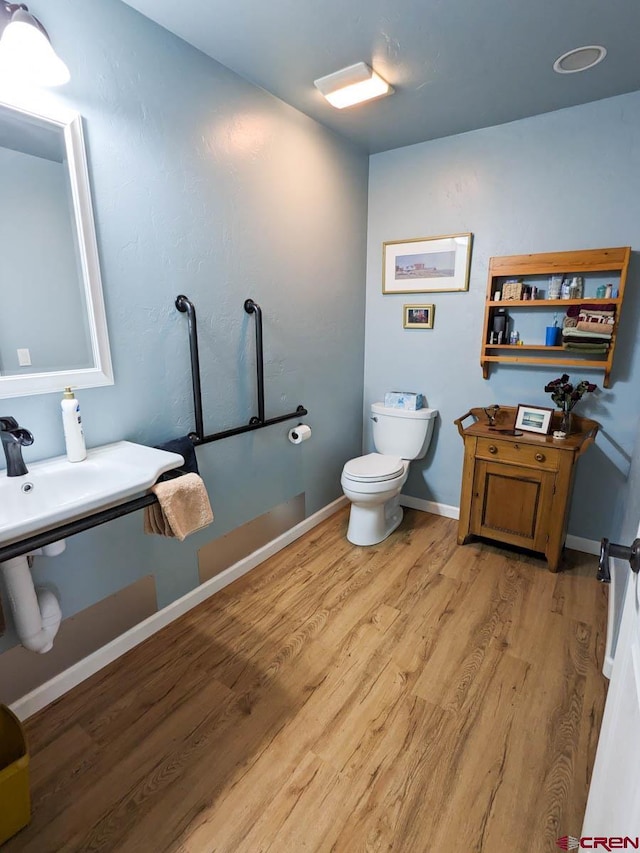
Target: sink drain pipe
{"x": 36, "y": 613}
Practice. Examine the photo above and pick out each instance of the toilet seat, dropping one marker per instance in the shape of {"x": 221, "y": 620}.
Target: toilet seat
{"x": 373, "y": 468}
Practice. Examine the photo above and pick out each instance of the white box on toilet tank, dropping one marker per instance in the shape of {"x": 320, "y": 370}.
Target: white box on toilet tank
{"x": 409, "y": 400}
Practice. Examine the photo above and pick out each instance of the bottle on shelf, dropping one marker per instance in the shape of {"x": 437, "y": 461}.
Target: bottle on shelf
{"x": 577, "y": 287}
{"x": 555, "y": 286}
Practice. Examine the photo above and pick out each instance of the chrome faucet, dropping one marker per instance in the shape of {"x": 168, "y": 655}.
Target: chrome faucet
{"x": 14, "y": 438}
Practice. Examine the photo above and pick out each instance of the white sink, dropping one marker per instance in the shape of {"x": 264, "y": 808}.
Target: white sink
{"x": 56, "y": 491}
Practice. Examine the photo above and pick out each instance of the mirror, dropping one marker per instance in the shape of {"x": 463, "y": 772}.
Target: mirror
{"x": 53, "y": 329}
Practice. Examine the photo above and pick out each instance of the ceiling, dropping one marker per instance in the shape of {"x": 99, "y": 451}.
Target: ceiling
{"x": 456, "y": 65}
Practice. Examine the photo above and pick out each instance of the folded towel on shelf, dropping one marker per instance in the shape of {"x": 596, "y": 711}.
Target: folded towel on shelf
{"x": 183, "y": 446}
{"x": 183, "y": 507}
{"x": 593, "y": 342}
{"x": 599, "y": 328}
{"x": 596, "y": 321}
{"x": 579, "y": 334}
{"x": 596, "y": 316}
{"x": 592, "y": 348}
{"x": 575, "y": 310}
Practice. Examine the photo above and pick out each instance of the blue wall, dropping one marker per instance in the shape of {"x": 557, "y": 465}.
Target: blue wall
{"x": 560, "y": 181}
{"x": 205, "y": 185}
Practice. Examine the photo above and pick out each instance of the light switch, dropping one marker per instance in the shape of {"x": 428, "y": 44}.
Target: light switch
{"x": 24, "y": 357}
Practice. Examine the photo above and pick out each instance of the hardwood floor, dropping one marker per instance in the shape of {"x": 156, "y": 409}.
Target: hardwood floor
{"x": 413, "y": 696}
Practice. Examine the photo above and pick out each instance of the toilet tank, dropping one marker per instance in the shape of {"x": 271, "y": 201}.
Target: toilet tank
{"x": 397, "y": 432}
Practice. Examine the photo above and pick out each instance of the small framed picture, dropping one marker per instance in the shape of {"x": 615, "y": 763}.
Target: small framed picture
{"x": 418, "y": 316}
{"x": 534, "y": 419}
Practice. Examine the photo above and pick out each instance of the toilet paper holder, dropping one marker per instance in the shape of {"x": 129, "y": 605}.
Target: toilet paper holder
{"x": 300, "y": 433}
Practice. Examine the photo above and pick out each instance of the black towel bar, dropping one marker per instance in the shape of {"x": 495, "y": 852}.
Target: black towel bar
{"x": 18, "y": 549}
{"x": 184, "y": 305}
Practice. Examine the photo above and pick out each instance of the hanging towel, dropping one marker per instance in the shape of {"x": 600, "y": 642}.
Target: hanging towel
{"x": 183, "y": 507}
{"x": 183, "y": 446}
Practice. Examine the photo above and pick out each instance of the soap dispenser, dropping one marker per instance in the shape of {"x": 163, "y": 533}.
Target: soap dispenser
{"x": 72, "y": 425}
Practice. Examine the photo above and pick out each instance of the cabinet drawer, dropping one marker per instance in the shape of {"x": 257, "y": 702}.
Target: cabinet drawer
{"x": 547, "y": 458}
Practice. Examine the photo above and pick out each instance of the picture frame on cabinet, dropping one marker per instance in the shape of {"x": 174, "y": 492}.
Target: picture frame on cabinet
{"x": 427, "y": 264}
{"x": 534, "y": 419}
{"x": 418, "y": 316}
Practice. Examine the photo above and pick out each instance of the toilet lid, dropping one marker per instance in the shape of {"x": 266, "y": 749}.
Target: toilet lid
{"x": 373, "y": 466}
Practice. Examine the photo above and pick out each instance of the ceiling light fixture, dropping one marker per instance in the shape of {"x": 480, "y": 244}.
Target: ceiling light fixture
{"x": 579, "y": 59}
{"x": 352, "y": 85}
{"x": 25, "y": 48}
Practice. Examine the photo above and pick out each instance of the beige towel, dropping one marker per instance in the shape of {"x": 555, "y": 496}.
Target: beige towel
{"x": 183, "y": 507}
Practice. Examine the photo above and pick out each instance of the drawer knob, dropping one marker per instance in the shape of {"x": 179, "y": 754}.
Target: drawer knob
{"x": 493, "y": 448}
{"x": 540, "y": 457}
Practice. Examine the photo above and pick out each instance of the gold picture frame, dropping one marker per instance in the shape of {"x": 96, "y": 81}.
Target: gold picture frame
{"x": 427, "y": 264}
{"x": 418, "y": 316}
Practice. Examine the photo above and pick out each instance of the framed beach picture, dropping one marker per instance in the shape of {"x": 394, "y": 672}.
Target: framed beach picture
{"x": 418, "y": 316}
{"x": 426, "y": 264}
{"x": 534, "y": 419}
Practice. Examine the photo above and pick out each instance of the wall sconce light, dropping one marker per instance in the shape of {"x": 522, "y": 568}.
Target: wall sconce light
{"x": 352, "y": 85}
{"x": 25, "y": 48}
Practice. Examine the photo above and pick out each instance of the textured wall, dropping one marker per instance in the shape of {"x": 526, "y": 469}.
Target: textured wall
{"x": 565, "y": 180}
{"x": 206, "y": 185}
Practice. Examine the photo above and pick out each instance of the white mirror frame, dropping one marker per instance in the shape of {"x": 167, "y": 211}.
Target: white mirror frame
{"x": 102, "y": 373}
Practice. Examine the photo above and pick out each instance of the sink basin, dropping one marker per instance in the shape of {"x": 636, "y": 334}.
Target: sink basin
{"x": 56, "y": 491}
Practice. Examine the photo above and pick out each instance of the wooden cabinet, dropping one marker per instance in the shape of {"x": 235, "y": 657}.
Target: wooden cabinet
{"x": 517, "y": 488}
{"x": 594, "y": 265}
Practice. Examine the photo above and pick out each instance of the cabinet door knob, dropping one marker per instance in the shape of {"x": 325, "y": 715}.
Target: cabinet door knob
{"x": 493, "y": 448}
{"x": 540, "y": 457}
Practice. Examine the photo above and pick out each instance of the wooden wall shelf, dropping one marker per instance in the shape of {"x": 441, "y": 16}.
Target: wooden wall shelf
{"x": 614, "y": 261}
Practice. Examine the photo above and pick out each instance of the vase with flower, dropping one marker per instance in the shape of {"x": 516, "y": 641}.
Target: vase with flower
{"x": 565, "y": 395}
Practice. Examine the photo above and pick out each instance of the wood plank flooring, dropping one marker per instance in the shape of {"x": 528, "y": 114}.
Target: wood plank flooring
{"x": 414, "y": 696}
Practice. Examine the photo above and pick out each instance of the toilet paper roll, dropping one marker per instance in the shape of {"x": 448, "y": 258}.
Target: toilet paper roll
{"x": 299, "y": 434}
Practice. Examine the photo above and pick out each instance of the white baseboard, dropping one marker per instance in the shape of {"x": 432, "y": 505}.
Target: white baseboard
{"x": 577, "y": 543}
{"x": 587, "y": 546}
{"x": 83, "y": 669}
{"x": 430, "y": 506}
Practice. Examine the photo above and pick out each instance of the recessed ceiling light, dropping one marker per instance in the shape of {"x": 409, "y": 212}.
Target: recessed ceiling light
{"x": 579, "y": 59}
{"x": 352, "y": 85}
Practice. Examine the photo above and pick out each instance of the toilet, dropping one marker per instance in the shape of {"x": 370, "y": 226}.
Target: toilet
{"x": 373, "y": 482}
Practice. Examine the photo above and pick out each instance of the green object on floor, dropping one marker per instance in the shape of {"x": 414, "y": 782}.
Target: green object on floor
{"x": 15, "y": 802}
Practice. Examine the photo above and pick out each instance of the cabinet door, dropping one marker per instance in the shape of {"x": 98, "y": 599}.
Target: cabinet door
{"x": 512, "y": 504}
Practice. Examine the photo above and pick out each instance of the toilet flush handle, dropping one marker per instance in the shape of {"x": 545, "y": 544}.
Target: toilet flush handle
{"x": 374, "y": 418}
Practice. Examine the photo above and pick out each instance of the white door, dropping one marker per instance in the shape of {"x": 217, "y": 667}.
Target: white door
{"x": 613, "y": 808}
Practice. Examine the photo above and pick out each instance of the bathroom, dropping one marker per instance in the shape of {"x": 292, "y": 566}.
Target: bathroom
{"x": 204, "y": 184}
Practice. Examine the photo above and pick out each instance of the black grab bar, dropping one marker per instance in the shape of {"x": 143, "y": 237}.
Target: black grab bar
{"x": 252, "y": 307}
{"x": 70, "y": 528}
{"x": 184, "y": 305}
